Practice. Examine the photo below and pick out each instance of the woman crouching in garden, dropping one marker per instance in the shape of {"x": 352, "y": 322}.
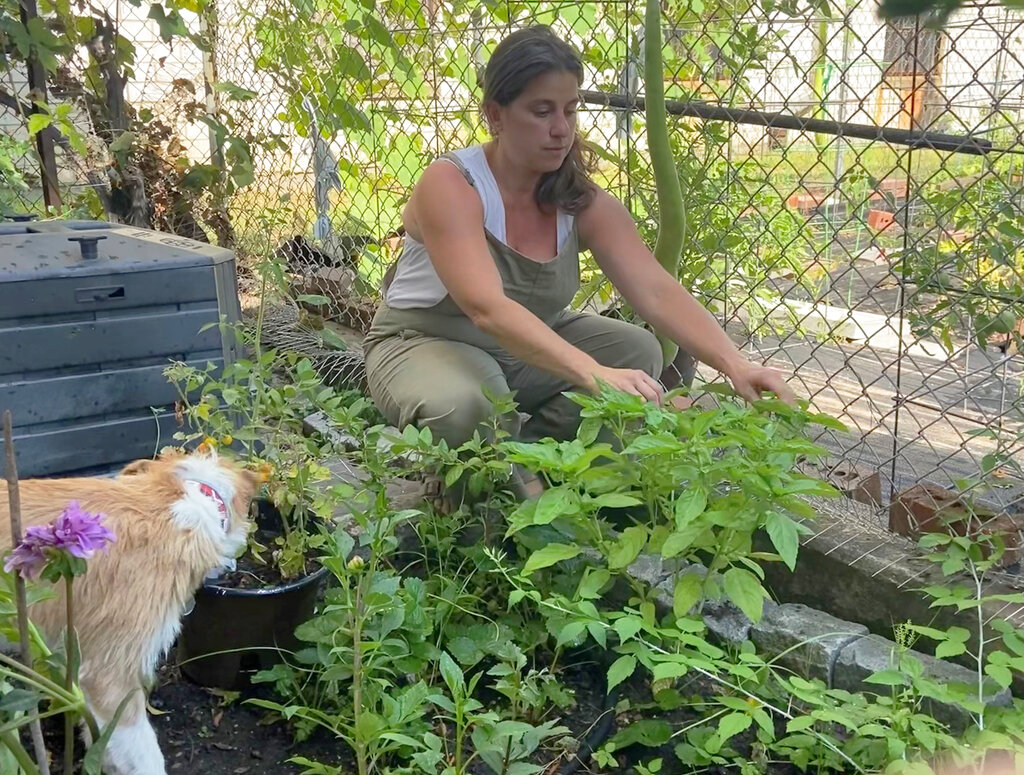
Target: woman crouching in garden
{"x": 480, "y": 295}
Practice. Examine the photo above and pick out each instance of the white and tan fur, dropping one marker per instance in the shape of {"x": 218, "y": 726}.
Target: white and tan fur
{"x": 129, "y": 604}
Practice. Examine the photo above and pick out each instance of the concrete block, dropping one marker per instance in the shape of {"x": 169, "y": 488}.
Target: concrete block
{"x": 806, "y": 640}
{"x": 650, "y": 569}
{"x": 857, "y": 570}
{"x": 858, "y": 660}
{"x": 728, "y": 624}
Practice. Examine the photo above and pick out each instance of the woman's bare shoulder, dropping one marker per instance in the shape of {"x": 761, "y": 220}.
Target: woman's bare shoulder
{"x": 441, "y": 189}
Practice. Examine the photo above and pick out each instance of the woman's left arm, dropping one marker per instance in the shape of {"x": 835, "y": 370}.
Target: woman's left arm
{"x": 608, "y": 230}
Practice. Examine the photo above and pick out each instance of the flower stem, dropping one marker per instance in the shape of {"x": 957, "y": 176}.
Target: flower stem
{"x": 32, "y": 678}
{"x": 357, "y": 677}
{"x": 978, "y": 593}
{"x": 69, "y": 679}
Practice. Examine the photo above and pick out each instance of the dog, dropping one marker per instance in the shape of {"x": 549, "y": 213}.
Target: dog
{"x": 176, "y": 520}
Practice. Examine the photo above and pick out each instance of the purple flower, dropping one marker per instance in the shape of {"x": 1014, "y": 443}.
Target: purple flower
{"x": 75, "y": 532}
{"x": 80, "y": 533}
{"x": 29, "y": 556}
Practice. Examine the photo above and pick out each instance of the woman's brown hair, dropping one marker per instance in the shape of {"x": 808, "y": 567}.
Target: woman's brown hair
{"x": 518, "y": 59}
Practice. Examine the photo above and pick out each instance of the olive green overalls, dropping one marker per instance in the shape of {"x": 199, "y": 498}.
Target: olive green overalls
{"x": 426, "y": 367}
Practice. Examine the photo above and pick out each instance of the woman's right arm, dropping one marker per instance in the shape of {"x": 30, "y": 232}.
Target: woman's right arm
{"x": 449, "y": 215}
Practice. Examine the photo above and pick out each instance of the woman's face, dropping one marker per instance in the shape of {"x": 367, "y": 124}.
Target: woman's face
{"x": 538, "y": 127}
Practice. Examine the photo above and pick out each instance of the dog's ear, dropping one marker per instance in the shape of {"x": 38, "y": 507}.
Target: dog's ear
{"x": 136, "y": 467}
{"x": 252, "y": 481}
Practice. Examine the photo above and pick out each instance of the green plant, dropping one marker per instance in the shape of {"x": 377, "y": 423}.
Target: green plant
{"x": 996, "y": 648}
{"x": 702, "y": 482}
{"x": 257, "y": 406}
{"x": 373, "y": 628}
{"x": 531, "y": 693}
{"x": 970, "y": 272}
{"x": 686, "y": 487}
{"x": 440, "y": 624}
{"x": 505, "y": 746}
{"x": 13, "y": 178}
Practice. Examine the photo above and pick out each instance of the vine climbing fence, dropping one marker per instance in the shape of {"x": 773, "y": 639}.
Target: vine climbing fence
{"x": 854, "y": 187}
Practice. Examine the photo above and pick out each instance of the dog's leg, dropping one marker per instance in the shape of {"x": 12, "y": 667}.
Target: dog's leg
{"x": 132, "y": 748}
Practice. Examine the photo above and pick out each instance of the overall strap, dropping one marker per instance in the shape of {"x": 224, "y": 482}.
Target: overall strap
{"x": 454, "y": 159}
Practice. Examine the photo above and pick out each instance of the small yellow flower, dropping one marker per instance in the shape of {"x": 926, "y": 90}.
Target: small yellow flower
{"x": 227, "y": 439}
{"x": 356, "y": 563}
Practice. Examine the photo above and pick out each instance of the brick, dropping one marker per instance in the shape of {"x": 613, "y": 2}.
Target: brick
{"x": 805, "y": 201}
{"x": 929, "y": 508}
{"x": 880, "y": 220}
{"x": 860, "y": 484}
{"x": 924, "y": 508}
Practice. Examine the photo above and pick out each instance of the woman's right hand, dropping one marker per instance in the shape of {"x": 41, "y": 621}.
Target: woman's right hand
{"x": 634, "y": 381}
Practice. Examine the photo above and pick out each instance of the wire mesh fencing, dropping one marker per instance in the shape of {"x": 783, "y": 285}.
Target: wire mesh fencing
{"x": 854, "y": 188}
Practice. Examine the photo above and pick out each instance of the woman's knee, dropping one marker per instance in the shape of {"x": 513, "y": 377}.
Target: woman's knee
{"x": 454, "y": 415}
{"x": 642, "y": 350}
{"x": 455, "y": 411}
{"x": 435, "y": 384}
{"x": 614, "y": 342}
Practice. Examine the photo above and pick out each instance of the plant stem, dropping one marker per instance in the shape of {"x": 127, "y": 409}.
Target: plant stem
{"x": 69, "y": 678}
{"x": 261, "y": 311}
{"x": 20, "y": 722}
{"x": 33, "y": 678}
{"x": 357, "y": 677}
{"x": 460, "y": 732}
{"x": 981, "y": 648}
{"x": 21, "y": 601}
{"x": 554, "y": 659}
{"x": 508, "y": 756}
{"x": 10, "y": 740}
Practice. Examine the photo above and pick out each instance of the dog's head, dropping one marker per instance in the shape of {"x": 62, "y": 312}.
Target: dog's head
{"x": 216, "y": 494}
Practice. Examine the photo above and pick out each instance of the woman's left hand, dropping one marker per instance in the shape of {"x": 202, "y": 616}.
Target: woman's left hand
{"x": 750, "y": 380}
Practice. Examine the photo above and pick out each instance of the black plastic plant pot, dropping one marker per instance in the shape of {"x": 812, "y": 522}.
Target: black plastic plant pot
{"x": 232, "y": 632}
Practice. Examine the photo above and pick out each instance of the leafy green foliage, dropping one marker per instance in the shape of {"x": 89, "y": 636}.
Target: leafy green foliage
{"x": 500, "y": 618}
{"x": 256, "y": 406}
{"x": 708, "y": 480}
{"x": 971, "y": 274}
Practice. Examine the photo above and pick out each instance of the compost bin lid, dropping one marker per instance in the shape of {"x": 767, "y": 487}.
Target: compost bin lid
{"x": 46, "y": 249}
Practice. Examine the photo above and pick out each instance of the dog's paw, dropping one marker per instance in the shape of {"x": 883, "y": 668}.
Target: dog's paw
{"x": 133, "y": 750}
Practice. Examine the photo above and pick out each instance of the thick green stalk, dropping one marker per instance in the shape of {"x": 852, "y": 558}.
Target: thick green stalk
{"x": 357, "y": 678}
{"x": 11, "y": 742}
{"x": 668, "y": 248}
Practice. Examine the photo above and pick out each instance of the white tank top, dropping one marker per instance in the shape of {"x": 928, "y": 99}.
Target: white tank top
{"x": 415, "y": 284}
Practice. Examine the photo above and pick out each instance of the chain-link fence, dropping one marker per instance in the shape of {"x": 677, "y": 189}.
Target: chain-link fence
{"x": 857, "y": 220}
